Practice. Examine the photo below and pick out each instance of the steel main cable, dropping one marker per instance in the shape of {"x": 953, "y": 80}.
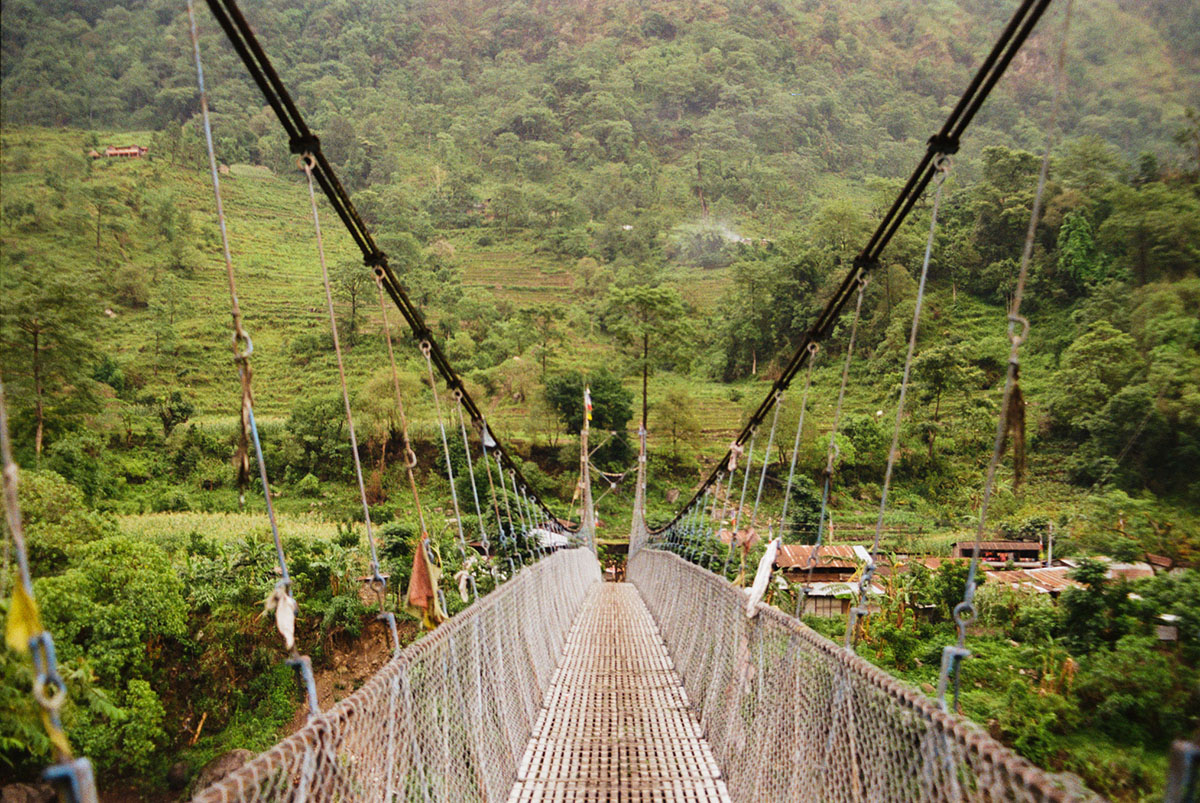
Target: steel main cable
{"x": 302, "y": 140}
{"x": 944, "y": 143}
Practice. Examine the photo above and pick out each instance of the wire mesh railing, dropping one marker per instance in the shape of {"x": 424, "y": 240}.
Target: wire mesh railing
{"x": 447, "y": 719}
{"x": 792, "y": 716}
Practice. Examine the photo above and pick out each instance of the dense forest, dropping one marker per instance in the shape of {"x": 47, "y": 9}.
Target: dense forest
{"x": 552, "y": 181}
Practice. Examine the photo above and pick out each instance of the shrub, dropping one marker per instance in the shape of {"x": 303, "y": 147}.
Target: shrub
{"x": 172, "y": 500}
{"x": 82, "y": 459}
{"x": 309, "y": 487}
{"x": 56, "y": 520}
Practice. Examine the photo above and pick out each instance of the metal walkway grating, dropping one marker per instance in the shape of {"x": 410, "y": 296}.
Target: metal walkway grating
{"x": 615, "y": 724}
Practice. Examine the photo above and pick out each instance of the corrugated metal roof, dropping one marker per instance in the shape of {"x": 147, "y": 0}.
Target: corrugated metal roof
{"x": 1130, "y": 571}
{"x": 998, "y": 545}
{"x": 1044, "y": 581}
{"x": 843, "y": 556}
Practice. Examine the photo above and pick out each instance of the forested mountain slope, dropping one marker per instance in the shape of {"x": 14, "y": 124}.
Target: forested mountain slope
{"x": 539, "y": 173}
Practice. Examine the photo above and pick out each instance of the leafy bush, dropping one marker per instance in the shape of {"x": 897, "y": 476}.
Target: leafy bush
{"x": 172, "y": 500}
{"x": 117, "y": 604}
{"x": 84, "y": 461}
{"x": 1135, "y": 693}
{"x": 309, "y": 487}
{"x": 56, "y": 520}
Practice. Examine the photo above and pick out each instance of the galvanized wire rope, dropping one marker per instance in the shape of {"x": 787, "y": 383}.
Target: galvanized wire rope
{"x": 462, "y": 422}
{"x": 787, "y": 491}
{"x": 281, "y": 600}
{"x": 410, "y": 456}
{"x": 376, "y": 578}
{"x": 437, "y": 406}
{"x": 1018, "y": 331}
{"x": 864, "y": 585}
{"x": 24, "y": 632}
{"x": 762, "y": 477}
{"x": 736, "y": 520}
{"x": 517, "y": 497}
{"x": 504, "y": 494}
{"x": 487, "y": 468}
{"x": 302, "y": 140}
{"x": 833, "y": 451}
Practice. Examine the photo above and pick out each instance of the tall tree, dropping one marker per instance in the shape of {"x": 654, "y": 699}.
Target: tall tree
{"x": 46, "y": 334}
{"x": 545, "y": 318}
{"x": 351, "y": 283}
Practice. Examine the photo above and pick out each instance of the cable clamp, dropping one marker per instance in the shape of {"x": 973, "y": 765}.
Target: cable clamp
{"x": 390, "y": 618}
{"x": 302, "y": 665}
{"x": 305, "y": 145}
{"x": 74, "y": 780}
{"x": 857, "y": 613}
{"x": 49, "y": 689}
{"x": 952, "y": 657}
{"x": 865, "y": 264}
{"x": 243, "y": 346}
{"x": 943, "y": 144}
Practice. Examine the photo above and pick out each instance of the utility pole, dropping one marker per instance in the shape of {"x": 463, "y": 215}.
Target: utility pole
{"x": 585, "y": 474}
{"x": 645, "y": 374}
{"x": 637, "y": 533}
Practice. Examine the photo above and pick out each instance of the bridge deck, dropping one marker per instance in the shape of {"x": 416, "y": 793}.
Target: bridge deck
{"x": 615, "y": 724}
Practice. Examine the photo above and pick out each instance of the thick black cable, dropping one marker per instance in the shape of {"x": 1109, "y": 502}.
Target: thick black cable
{"x": 944, "y": 142}
{"x": 302, "y": 140}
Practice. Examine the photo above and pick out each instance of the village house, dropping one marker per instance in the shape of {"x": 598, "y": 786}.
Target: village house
{"x": 999, "y": 552}
{"x": 120, "y": 152}
{"x": 831, "y": 587}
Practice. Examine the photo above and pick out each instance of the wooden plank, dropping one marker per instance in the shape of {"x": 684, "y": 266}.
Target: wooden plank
{"x": 615, "y": 723}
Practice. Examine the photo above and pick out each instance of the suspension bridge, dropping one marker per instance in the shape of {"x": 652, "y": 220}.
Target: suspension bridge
{"x": 676, "y": 685}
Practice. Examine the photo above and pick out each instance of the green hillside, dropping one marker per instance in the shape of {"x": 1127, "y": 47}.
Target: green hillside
{"x": 541, "y": 174}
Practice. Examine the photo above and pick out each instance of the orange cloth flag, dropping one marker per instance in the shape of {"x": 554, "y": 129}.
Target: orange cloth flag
{"x": 422, "y": 588}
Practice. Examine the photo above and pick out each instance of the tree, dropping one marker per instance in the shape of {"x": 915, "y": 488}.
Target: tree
{"x": 677, "y": 416}
{"x": 1094, "y": 367}
{"x": 804, "y": 510}
{"x": 949, "y": 584}
{"x": 48, "y": 347}
{"x": 165, "y": 306}
{"x": 1152, "y": 232}
{"x": 642, "y": 315}
{"x": 612, "y": 403}
{"x": 1080, "y": 264}
{"x": 172, "y": 409}
{"x": 318, "y": 426}
{"x": 1094, "y": 614}
{"x": 351, "y": 282}
{"x": 545, "y": 318}
{"x": 939, "y": 370}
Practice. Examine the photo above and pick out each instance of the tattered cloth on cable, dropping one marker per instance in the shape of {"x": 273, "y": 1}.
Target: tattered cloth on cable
{"x": 422, "y": 588}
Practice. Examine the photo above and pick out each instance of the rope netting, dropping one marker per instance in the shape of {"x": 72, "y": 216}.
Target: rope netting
{"x": 792, "y": 716}
{"x": 448, "y": 719}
